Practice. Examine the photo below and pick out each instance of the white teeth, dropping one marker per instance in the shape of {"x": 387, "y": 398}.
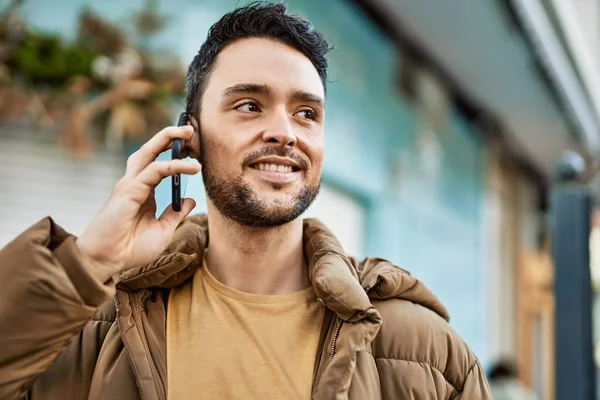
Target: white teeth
{"x": 274, "y": 167}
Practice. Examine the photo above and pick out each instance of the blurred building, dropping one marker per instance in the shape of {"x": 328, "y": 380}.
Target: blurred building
{"x": 444, "y": 119}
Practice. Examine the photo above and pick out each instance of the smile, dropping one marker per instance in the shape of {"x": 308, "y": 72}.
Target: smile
{"x": 275, "y": 167}
{"x": 275, "y": 173}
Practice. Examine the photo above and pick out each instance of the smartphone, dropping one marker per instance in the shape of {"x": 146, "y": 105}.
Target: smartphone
{"x": 177, "y": 154}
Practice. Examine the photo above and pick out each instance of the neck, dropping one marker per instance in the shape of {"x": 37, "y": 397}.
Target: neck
{"x": 256, "y": 260}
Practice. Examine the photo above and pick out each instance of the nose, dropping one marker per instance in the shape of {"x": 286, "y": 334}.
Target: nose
{"x": 280, "y": 131}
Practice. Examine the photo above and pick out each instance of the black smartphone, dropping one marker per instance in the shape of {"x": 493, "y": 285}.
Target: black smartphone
{"x": 177, "y": 154}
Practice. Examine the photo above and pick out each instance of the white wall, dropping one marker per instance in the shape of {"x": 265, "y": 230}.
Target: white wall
{"x": 39, "y": 179}
{"x": 343, "y": 215}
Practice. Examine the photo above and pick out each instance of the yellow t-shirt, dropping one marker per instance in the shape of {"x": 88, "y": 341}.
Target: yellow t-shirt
{"x": 224, "y": 344}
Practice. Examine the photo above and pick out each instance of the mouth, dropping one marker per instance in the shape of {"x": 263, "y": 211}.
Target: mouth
{"x": 276, "y": 170}
{"x": 272, "y": 167}
{"x": 276, "y": 164}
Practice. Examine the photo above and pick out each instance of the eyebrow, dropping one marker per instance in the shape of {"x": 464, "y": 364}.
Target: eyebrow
{"x": 254, "y": 88}
{"x": 247, "y": 88}
{"x": 305, "y": 97}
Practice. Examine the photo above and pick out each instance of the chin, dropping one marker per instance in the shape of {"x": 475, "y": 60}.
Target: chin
{"x": 275, "y": 190}
{"x": 277, "y": 201}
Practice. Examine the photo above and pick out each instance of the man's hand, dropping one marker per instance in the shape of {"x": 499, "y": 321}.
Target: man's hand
{"x": 126, "y": 233}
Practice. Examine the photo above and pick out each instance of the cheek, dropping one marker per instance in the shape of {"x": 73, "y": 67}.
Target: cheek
{"x": 218, "y": 153}
{"x": 315, "y": 152}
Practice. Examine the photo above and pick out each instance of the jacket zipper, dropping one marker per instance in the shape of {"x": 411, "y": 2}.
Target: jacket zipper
{"x": 331, "y": 354}
{"x": 137, "y": 313}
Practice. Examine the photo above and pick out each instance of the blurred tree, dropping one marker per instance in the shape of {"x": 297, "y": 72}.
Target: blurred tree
{"x": 99, "y": 82}
{"x": 148, "y": 22}
{"x": 48, "y": 60}
{"x": 12, "y": 29}
{"x": 12, "y": 6}
{"x": 101, "y": 36}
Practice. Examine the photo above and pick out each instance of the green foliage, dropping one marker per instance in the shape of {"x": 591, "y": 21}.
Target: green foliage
{"x": 50, "y": 60}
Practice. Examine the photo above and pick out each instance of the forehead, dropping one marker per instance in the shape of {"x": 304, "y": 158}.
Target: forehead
{"x": 264, "y": 61}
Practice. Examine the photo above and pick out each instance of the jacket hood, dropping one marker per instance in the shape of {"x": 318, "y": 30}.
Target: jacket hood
{"x": 342, "y": 283}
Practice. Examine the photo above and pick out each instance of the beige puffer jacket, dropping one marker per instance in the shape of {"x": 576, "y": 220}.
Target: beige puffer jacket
{"x": 64, "y": 335}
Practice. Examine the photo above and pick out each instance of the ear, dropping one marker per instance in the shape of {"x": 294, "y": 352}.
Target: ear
{"x": 193, "y": 147}
{"x": 193, "y": 122}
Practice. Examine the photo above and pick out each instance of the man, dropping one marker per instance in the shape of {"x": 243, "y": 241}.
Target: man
{"x": 248, "y": 302}
{"x": 505, "y": 384}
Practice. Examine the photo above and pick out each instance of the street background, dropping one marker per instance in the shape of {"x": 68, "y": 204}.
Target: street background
{"x": 445, "y": 123}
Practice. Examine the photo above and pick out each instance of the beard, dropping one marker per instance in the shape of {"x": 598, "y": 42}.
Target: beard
{"x": 238, "y": 201}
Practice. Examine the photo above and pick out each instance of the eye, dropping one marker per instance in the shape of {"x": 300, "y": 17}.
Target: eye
{"x": 248, "y": 107}
{"x": 308, "y": 114}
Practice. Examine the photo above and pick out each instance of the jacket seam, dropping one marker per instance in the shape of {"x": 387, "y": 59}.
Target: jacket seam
{"x": 28, "y": 384}
{"x": 102, "y": 320}
{"x": 467, "y": 377}
{"x": 426, "y": 363}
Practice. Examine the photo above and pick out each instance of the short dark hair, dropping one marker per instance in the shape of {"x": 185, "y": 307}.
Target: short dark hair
{"x": 255, "y": 20}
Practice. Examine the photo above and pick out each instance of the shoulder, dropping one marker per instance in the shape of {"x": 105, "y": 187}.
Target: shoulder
{"x": 415, "y": 337}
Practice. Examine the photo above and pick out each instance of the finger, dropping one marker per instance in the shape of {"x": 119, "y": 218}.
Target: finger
{"x": 170, "y": 218}
{"x": 158, "y": 170}
{"x": 152, "y": 148}
{"x": 192, "y": 148}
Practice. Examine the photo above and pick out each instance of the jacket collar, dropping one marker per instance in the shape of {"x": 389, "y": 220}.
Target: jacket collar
{"x": 342, "y": 284}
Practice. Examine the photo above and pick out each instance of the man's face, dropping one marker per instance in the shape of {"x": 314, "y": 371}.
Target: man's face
{"x": 262, "y": 133}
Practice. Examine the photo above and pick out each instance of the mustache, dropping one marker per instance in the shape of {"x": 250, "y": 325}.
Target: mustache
{"x": 276, "y": 151}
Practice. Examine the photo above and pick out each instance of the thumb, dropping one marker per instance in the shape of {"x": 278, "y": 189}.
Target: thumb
{"x": 172, "y": 218}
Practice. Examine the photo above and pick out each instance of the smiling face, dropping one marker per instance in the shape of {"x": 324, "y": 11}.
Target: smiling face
{"x": 262, "y": 139}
